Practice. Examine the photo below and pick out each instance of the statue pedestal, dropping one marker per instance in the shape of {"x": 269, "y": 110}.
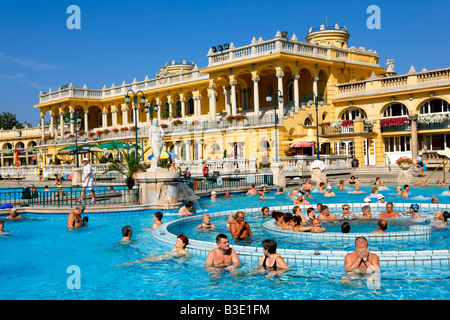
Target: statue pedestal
{"x": 159, "y": 187}
{"x": 278, "y": 175}
{"x": 76, "y": 178}
{"x": 318, "y": 176}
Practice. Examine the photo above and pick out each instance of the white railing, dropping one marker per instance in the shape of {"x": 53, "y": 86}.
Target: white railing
{"x": 330, "y": 162}
{"x": 146, "y": 84}
{"x": 259, "y": 48}
{"x": 223, "y": 166}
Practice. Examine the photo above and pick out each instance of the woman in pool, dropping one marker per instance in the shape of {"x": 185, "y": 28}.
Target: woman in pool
{"x": 206, "y": 223}
{"x": 278, "y": 216}
{"x": 352, "y": 180}
{"x": 366, "y": 212}
{"x": 341, "y": 186}
{"x": 178, "y": 251}
{"x": 297, "y": 211}
{"x": 231, "y": 219}
{"x": 414, "y": 211}
{"x": 322, "y": 187}
{"x": 265, "y": 211}
{"x": 271, "y": 260}
{"x": 377, "y": 181}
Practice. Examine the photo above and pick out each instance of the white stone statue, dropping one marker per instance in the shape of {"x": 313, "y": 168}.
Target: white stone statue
{"x": 390, "y": 65}
{"x": 155, "y": 137}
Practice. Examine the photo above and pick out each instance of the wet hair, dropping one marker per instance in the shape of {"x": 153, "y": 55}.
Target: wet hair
{"x": 446, "y": 215}
{"x": 184, "y": 239}
{"x": 264, "y": 208}
{"x": 364, "y": 208}
{"x": 159, "y": 215}
{"x": 189, "y": 204}
{"x": 297, "y": 220}
{"x": 382, "y": 224}
{"x": 323, "y": 208}
{"x": 126, "y": 231}
{"x": 294, "y": 209}
{"x": 405, "y": 186}
{"x": 341, "y": 181}
{"x": 345, "y": 227}
{"x": 220, "y": 236}
{"x": 361, "y": 239}
{"x": 374, "y": 189}
{"x": 270, "y": 245}
{"x": 287, "y": 216}
{"x": 2, "y": 222}
{"x": 276, "y": 214}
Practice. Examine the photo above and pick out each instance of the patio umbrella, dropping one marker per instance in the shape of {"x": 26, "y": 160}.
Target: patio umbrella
{"x": 66, "y": 150}
{"x": 85, "y": 148}
{"x": 302, "y": 144}
{"x": 113, "y": 146}
{"x": 165, "y": 155}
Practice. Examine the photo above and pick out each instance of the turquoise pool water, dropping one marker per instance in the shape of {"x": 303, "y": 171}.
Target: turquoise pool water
{"x": 36, "y": 255}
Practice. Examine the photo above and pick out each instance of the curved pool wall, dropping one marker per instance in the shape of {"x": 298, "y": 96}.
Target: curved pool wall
{"x": 418, "y": 233}
{"x": 327, "y": 258}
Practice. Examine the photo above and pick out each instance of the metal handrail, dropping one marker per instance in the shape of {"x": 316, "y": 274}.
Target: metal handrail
{"x": 312, "y": 173}
{"x": 443, "y": 163}
{"x": 10, "y": 177}
{"x": 389, "y": 161}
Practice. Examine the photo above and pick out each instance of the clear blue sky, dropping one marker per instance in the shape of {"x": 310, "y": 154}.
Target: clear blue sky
{"x": 123, "y": 40}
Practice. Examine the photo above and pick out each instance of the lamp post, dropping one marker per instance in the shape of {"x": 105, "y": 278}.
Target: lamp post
{"x": 74, "y": 121}
{"x": 280, "y": 99}
{"x": 142, "y": 101}
{"x": 317, "y": 102}
{"x": 150, "y": 108}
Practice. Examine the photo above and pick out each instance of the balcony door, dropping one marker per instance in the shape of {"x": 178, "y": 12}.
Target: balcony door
{"x": 369, "y": 152}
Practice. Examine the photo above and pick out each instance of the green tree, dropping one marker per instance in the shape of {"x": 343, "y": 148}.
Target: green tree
{"x": 129, "y": 167}
{"x": 9, "y": 120}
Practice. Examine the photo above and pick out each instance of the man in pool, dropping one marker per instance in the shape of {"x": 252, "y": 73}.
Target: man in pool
{"x": 389, "y": 213}
{"x": 252, "y": 190}
{"x": 13, "y": 215}
{"x": 316, "y": 227}
{"x": 326, "y": 215}
{"x": 381, "y": 227}
{"x": 361, "y": 260}
{"x": 74, "y": 220}
{"x": 240, "y": 229}
{"x": 222, "y": 257}
{"x": 404, "y": 193}
{"x": 127, "y": 232}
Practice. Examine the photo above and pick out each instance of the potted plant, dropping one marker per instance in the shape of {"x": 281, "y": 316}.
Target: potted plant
{"x": 124, "y": 129}
{"x": 105, "y": 131}
{"x": 163, "y": 125}
{"x": 404, "y": 163}
{"x": 128, "y": 168}
{"x": 90, "y": 134}
{"x": 115, "y": 130}
{"x": 81, "y": 133}
{"x": 368, "y": 124}
{"x": 176, "y": 122}
{"x": 229, "y": 118}
{"x": 70, "y": 136}
{"x": 132, "y": 128}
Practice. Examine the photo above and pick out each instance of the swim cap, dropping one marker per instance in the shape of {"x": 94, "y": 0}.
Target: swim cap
{"x": 415, "y": 207}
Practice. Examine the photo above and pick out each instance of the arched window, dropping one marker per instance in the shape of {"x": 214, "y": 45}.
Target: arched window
{"x": 264, "y": 144}
{"x": 352, "y": 114}
{"x": 190, "y": 106}
{"x": 308, "y": 122}
{"x": 165, "y": 112}
{"x": 395, "y": 110}
{"x": 435, "y": 106}
{"x": 291, "y": 91}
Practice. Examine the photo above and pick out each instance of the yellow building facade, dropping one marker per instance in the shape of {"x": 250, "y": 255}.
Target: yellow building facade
{"x": 222, "y": 111}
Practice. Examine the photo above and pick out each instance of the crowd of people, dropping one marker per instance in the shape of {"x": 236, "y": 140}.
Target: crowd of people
{"x": 314, "y": 220}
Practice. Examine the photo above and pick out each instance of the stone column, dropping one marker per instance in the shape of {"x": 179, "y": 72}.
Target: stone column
{"x": 86, "y": 113}
{"x": 226, "y": 93}
{"x": 233, "y": 97}
{"x": 61, "y": 123}
{"x": 199, "y": 149}
{"x": 124, "y": 115}
{"x": 104, "y": 119}
{"x": 52, "y": 124}
{"x": 72, "y": 125}
{"x": 414, "y": 136}
{"x": 187, "y": 147}
{"x": 315, "y": 79}
{"x": 212, "y": 102}
{"x": 159, "y": 110}
{"x": 42, "y": 127}
{"x": 183, "y": 107}
{"x": 170, "y": 102}
{"x": 296, "y": 93}
{"x": 280, "y": 87}
{"x": 114, "y": 117}
{"x": 256, "y": 94}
